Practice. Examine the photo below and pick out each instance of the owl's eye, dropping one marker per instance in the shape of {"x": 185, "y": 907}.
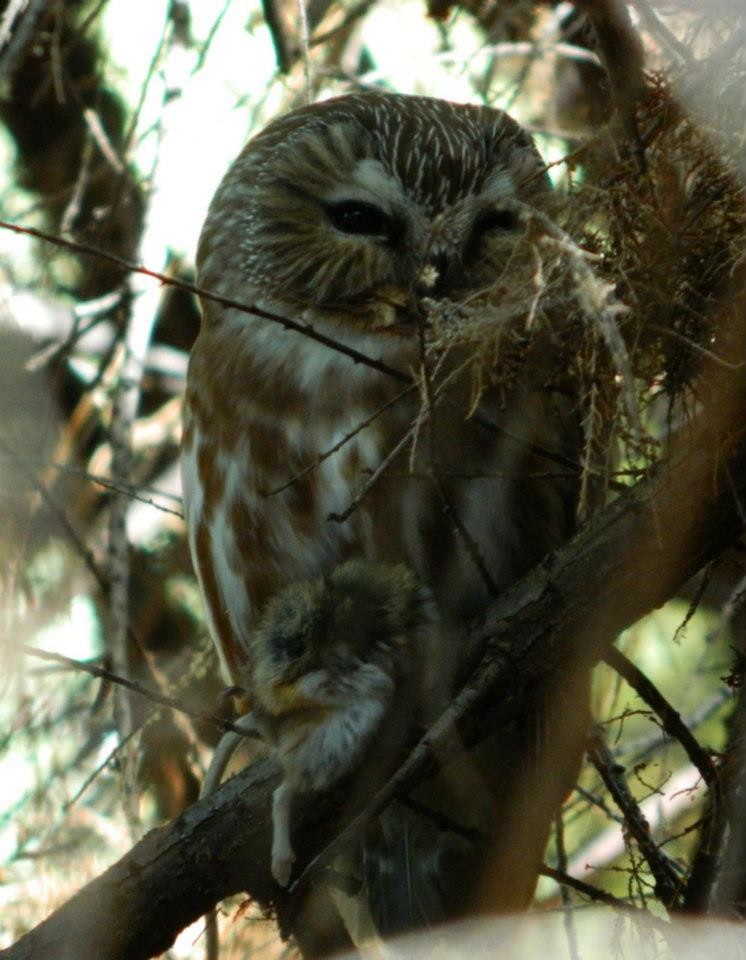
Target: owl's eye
{"x": 358, "y": 217}
{"x": 496, "y": 220}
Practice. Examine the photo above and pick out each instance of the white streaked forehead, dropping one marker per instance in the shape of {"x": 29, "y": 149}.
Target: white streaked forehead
{"x": 370, "y": 181}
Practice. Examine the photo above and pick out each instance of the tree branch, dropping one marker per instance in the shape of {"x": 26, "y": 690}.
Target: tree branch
{"x": 667, "y": 885}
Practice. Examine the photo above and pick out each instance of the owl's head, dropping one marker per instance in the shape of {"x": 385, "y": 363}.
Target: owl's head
{"x": 370, "y": 198}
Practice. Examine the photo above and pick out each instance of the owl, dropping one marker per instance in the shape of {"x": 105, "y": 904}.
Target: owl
{"x": 366, "y": 218}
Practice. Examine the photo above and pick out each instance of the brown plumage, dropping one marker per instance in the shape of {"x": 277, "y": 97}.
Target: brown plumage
{"x": 362, "y": 216}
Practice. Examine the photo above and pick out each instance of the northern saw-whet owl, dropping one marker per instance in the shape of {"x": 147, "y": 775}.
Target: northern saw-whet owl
{"x": 364, "y": 216}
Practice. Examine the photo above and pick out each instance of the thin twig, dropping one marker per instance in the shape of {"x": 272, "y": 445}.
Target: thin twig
{"x": 668, "y": 332}
{"x": 102, "y": 140}
{"x": 642, "y": 747}
{"x": 306, "y": 329}
{"x": 567, "y": 909}
{"x": 373, "y": 478}
{"x": 553, "y": 456}
{"x": 317, "y": 461}
{"x": 487, "y": 475}
{"x": 694, "y": 603}
{"x": 659, "y": 29}
{"x": 667, "y": 881}
{"x": 98, "y": 770}
{"x": 103, "y": 674}
{"x": 471, "y": 546}
{"x": 120, "y": 486}
{"x": 593, "y": 801}
{"x": 375, "y": 475}
{"x": 207, "y": 43}
{"x": 60, "y": 515}
{"x": 593, "y": 893}
{"x": 669, "y": 717}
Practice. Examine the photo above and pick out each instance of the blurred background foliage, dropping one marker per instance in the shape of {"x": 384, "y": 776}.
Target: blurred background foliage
{"x": 117, "y": 121}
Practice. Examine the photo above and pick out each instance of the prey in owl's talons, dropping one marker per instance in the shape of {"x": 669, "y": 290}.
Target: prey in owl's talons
{"x": 327, "y": 657}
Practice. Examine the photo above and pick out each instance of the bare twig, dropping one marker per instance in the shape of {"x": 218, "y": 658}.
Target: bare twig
{"x": 382, "y": 468}
{"x": 317, "y": 461}
{"x": 696, "y": 599}
{"x": 99, "y": 769}
{"x": 373, "y": 478}
{"x": 103, "y": 674}
{"x": 102, "y": 140}
{"x": 593, "y": 893}
{"x": 658, "y": 29}
{"x": 59, "y": 514}
{"x": 470, "y": 544}
{"x": 433, "y": 467}
{"x": 669, "y": 717}
{"x": 567, "y": 909}
{"x": 667, "y": 881}
{"x": 668, "y": 332}
{"x": 120, "y": 486}
{"x": 306, "y": 329}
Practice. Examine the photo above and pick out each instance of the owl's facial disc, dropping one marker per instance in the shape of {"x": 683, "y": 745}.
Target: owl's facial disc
{"x": 351, "y": 207}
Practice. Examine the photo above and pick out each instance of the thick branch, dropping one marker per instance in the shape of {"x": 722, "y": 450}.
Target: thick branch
{"x": 169, "y": 879}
